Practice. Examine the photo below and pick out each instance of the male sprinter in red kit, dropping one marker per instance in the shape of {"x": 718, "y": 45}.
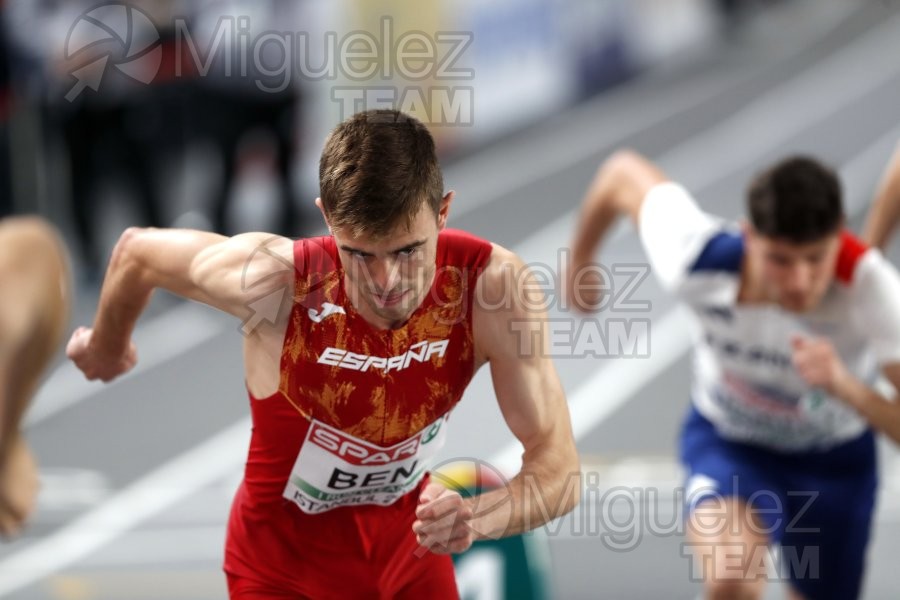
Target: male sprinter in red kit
{"x": 350, "y": 391}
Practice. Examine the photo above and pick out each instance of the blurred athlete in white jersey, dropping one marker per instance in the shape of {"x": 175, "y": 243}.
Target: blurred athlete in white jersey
{"x": 797, "y": 319}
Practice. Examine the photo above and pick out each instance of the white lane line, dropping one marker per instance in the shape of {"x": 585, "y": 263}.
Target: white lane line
{"x": 151, "y": 494}
{"x": 177, "y": 546}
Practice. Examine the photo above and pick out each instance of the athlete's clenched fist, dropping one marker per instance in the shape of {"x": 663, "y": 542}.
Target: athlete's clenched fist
{"x": 442, "y": 521}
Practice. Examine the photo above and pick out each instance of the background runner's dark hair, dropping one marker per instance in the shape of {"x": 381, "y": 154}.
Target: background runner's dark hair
{"x": 797, "y": 199}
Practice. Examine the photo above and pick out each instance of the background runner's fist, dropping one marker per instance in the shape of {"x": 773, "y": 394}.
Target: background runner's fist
{"x": 92, "y": 363}
{"x": 818, "y": 364}
{"x": 442, "y": 521}
{"x": 18, "y": 487}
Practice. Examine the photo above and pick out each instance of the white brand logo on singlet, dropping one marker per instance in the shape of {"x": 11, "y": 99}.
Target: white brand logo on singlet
{"x": 336, "y": 469}
{"x": 328, "y": 309}
{"x": 420, "y": 352}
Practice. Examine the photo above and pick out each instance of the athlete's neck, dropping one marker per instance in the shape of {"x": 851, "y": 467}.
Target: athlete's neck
{"x": 751, "y": 290}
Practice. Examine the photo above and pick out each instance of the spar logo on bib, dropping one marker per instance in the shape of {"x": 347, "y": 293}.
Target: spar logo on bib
{"x": 337, "y": 469}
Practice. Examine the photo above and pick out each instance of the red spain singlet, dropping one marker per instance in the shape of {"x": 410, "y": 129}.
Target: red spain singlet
{"x": 338, "y": 454}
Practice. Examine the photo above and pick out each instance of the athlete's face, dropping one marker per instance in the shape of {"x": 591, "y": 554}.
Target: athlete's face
{"x": 795, "y": 276}
{"x": 388, "y": 277}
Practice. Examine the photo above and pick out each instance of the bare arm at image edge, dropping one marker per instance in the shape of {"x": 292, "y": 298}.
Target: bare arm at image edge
{"x": 225, "y": 273}
{"x": 885, "y": 212}
{"x": 35, "y": 292}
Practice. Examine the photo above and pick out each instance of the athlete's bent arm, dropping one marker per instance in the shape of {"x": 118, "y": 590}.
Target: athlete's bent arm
{"x": 875, "y": 313}
{"x": 881, "y": 413}
{"x": 820, "y": 366}
{"x": 513, "y": 340}
{"x": 619, "y": 187}
{"x": 885, "y": 212}
{"x": 226, "y": 273}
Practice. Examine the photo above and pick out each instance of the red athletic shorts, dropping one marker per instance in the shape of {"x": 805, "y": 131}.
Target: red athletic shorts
{"x": 278, "y": 551}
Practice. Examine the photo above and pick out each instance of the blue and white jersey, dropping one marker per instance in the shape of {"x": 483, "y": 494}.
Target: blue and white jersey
{"x": 744, "y": 379}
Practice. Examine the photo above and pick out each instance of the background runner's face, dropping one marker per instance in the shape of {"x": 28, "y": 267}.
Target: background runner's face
{"x": 388, "y": 277}
{"x": 794, "y": 276}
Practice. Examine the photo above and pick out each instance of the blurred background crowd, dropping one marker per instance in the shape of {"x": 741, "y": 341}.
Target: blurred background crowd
{"x": 211, "y": 113}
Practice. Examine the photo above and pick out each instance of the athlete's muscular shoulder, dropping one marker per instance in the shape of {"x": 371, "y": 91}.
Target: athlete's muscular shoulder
{"x": 506, "y": 299}
{"x": 233, "y": 274}
{"x": 249, "y": 276}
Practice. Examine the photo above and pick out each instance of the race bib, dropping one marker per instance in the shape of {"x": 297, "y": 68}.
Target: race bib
{"x": 336, "y": 469}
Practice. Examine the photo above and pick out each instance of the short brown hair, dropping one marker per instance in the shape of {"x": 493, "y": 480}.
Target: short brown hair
{"x": 378, "y": 168}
